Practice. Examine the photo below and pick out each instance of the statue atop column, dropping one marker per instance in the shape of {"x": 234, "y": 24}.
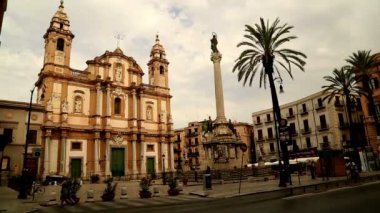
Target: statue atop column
{"x": 214, "y": 43}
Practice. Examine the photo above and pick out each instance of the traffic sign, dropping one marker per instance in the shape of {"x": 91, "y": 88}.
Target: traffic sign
{"x": 243, "y": 147}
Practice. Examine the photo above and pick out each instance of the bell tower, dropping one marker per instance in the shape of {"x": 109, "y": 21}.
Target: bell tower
{"x": 158, "y": 66}
{"x": 58, "y": 39}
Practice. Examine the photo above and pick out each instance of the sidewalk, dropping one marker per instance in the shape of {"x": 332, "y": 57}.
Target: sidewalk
{"x": 10, "y": 203}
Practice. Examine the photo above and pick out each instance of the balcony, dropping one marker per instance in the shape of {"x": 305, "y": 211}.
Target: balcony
{"x": 259, "y": 139}
{"x": 192, "y": 134}
{"x": 269, "y": 138}
{"x": 305, "y": 131}
{"x": 193, "y": 154}
{"x": 258, "y": 123}
{"x": 304, "y": 111}
{"x": 320, "y": 106}
{"x": 177, "y": 150}
{"x": 290, "y": 116}
{"x": 268, "y": 120}
{"x": 178, "y": 160}
{"x": 323, "y": 127}
{"x": 294, "y": 134}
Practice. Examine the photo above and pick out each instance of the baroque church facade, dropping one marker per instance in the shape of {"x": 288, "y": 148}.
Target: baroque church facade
{"x": 103, "y": 120}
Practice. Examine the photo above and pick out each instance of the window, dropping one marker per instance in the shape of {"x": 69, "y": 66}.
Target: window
{"x": 161, "y": 70}
{"x": 60, "y": 44}
{"x": 150, "y": 148}
{"x": 32, "y": 137}
{"x": 78, "y": 102}
{"x": 292, "y": 127}
{"x": 117, "y": 109}
{"x": 304, "y": 109}
{"x": 260, "y": 134}
{"x": 196, "y": 141}
{"x": 76, "y": 146}
{"x": 308, "y": 142}
{"x": 325, "y": 139}
{"x": 8, "y": 135}
{"x": 306, "y": 125}
{"x": 258, "y": 119}
{"x": 320, "y": 102}
{"x": 322, "y": 120}
{"x": 271, "y": 147}
{"x": 61, "y": 26}
{"x": 270, "y": 132}
{"x": 337, "y": 101}
{"x": 5, "y": 161}
{"x": 268, "y": 117}
{"x": 290, "y": 111}
{"x": 196, "y": 130}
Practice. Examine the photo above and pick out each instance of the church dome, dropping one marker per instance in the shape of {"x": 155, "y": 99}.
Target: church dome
{"x": 158, "y": 50}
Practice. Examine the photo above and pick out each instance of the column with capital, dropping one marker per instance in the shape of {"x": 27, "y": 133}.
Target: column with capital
{"x": 134, "y": 113}
{"x": 216, "y": 57}
{"x": 108, "y": 152}
{"x": 46, "y": 156}
{"x": 63, "y": 155}
{"x": 134, "y": 159}
{"x": 172, "y": 156}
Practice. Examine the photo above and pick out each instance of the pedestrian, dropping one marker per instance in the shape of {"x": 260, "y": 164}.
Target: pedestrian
{"x": 64, "y": 192}
{"x": 208, "y": 170}
{"x": 312, "y": 169}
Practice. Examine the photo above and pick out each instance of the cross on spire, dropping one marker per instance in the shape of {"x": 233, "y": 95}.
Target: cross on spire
{"x": 118, "y": 38}
{"x": 61, "y": 3}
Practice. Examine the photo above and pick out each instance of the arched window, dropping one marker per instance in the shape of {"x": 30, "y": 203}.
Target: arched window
{"x": 61, "y": 26}
{"x": 60, "y": 44}
{"x": 78, "y": 103}
{"x": 117, "y": 109}
{"x": 161, "y": 70}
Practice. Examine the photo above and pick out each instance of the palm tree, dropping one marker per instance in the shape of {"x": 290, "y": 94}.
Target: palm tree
{"x": 343, "y": 82}
{"x": 362, "y": 62}
{"x": 263, "y": 53}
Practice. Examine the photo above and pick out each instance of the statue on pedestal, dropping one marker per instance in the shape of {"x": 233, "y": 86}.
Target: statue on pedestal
{"x": 214, "y": 43}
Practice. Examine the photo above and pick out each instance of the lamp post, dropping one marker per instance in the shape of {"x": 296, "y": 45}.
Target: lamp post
{"x": 24, "y": 178}
{"x": 163, "y": 170}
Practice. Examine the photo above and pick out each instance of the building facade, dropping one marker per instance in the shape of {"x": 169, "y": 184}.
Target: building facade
{"x": 13, "y": 127}
{"x": 312, "y": 121}
{"x": 102, "y": 120}
{"x": 191, "y": 154}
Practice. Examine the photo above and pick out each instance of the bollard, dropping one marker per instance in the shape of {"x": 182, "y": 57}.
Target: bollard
{"x": 90, "y": 195}
{"x": 124, "y": 194}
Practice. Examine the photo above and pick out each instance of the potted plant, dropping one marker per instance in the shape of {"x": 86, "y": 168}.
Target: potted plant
{"x": 109, "y": 191}
{"x": 94, "y": 178}
{"x": 173, "y": 187}
{"x": 145, "y": 184}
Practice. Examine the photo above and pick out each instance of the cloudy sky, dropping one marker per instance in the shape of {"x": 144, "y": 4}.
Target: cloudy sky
{"x": 328, "y": 32}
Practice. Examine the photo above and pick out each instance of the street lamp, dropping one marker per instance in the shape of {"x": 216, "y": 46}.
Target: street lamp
{"x": 163, "y": 170}
{"x": 24, "y": 178}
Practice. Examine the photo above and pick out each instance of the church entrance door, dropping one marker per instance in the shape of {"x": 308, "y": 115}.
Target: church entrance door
{"x": 76, "y": 167}
{"x": 117, "y": 162}
{"x": 150, "y": 167}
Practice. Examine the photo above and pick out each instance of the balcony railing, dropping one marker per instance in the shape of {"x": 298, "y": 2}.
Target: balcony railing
{"x": 268, "y": 120}
{"x": 304, "y": 111}
{"x": 192, "y": 154}
{"x": 320, "y": 106}
{"x": 259, "y": 139}
{"x": 268, "y": 138}
{"x": 288, "y": 115}
{"x": 258, "y": 122}
{"x": 192, "y": 134}
{"x": 323, "y": 127}
{"x": 343, "y": 125}
{"x": 295, "y": 133}
{"x": 338, "y": 104}
{"x": 305, "y": 131}
{"x": 177, "y": 150}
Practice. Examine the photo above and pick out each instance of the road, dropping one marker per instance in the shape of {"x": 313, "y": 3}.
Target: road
{"x": 363, "y": 199}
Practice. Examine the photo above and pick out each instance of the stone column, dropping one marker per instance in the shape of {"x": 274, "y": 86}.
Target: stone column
{"x": 46, "y": 156}
{"x": 96, "y": 156}
{"x": 163, "y": 152}
{"x": 134, "y": 103}
{"x": 99, "y": 99}
{"x": 108, "y": 100}
{"x": 216, "y": 57}
{"x": 142, "y": 166}
{"x": 108, "y": 153}
{"x": 63, "y": 156}
{"x": 134, "y": 161}
{"x": 172, "y": 157}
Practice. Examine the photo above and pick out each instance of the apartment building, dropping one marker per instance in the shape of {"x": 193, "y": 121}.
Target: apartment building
{"x": 312, "y": 122}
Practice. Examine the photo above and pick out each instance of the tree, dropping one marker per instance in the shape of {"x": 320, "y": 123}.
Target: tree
{"x": 343, "y": 82}
{"x": 264, "y": 53}
{"x": 362, "y": 63}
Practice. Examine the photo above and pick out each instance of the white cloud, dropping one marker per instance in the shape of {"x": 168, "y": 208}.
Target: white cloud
{"x": 328, "y": 32}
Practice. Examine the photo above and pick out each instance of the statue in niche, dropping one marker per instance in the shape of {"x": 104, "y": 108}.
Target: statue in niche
{"x": 64, "y": 105}
{"x": 78, "y": 104}
{"x": 149, "y": 113}
{"x": 118, "y": 73}
{"x": 214, "y": 43}
{"x": 49, "y": 105}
